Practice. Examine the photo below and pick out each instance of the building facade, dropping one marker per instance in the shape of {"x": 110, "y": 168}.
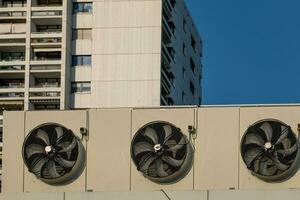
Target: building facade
{"x": 64, "y": 54}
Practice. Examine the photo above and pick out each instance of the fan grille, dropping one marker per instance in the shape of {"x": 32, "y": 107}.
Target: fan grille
{"x": 50, "y": 151}
{"x": 160, "y": 150}
{"x": 269, "y": 149}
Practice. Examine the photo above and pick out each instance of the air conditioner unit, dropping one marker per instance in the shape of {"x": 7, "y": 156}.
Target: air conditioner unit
{"x": 269, "y": 148}
{"x": 45, "y": 152}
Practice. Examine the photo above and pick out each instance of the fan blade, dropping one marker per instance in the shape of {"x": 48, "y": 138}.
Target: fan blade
{"x": 70, "y": 147}
{"x": 168, "y": 131}
{"x": 51, "y": 168}
{"x": 59, "y": 133}
{"x": 151, "y": 134}
{"x": 288, "y": 152}
{"x": 141, "y": 147}
{"x": 266, "y": 170}
{"x": 251, "y": 155}
{"x": 176, "y": 147}
{"x": 256, "y": 165}
{"x": 41, "y": 134}
{"x": 252, "y": 138}
{"x": 145, "y": 162}
{"x": 279, "y": 164}
{"x": 266, "y": 127}
{"x": 38, "y": 165}
{"x": 284, "y": 134}
{"x": 64, "y": 163}
{"x": 171, "y": 161}
{"x": 286, "y": 143}
{"x": 159, "y": 167}
{"x": 34, "y": 149}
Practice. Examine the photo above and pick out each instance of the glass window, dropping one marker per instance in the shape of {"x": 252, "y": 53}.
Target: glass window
{"x": 82, "y": 7}
{"x": 81, "y": 87}
{"x": 86, "y": 60}
{"x": 80, "y": 34}
{"x": 81, "y": 60}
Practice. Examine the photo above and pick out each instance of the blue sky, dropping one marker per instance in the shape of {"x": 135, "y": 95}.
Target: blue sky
{"x": 251, "y": 50}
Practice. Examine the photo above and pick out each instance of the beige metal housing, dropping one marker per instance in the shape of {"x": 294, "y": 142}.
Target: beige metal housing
{"x": 217, "y": 161}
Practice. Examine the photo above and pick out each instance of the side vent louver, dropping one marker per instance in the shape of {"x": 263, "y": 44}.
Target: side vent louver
{"x": 162, "y": 152}
{"x": 270, "y": 150}
{"x": 54, "y": 154}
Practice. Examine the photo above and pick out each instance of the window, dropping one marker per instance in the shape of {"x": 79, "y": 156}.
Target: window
{"x": 192, "y": 88}
{"x": 82, "y": 34}
{"x": 81, "y": 7}
{"x": 183, "y": 49}
{"x": 48, "y": 28}
{"x": 81, "y": 60}
{"x": 184, "y": 25}
{"x": 183, "y": 97}
{"x": 193, "y": 65}
{"x": 193, "y": 42}
{"x": 81, "y": 87}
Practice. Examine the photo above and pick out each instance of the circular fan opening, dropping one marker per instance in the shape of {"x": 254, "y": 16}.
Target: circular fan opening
{"x": 270, "y": 150}
{"x": 162, "y": 152}
{"x": 54, "y": 154}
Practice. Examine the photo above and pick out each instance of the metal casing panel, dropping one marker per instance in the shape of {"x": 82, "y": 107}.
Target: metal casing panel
{"x": 217, "y": 152}
{"x": 108, "y": 161}
{"x": 13, "y": 136}
{"x": 254, "y": 194}
{"x": 250, "y": 115}
{"x": 70, "y": 119}
{"x": 180, "y": 117}
{"x": 32, "y": 196}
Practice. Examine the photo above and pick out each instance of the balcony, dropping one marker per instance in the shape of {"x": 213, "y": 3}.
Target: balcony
{"x": 44, "y": 68}
{"x": 46, "y": 14}
{"x": 51, "y": 30}
{"x": 13, "y": 4}
{"x": 46, "y": 57}
{"x": 11, "y": 15}
{"x": 12, "y": 58}
{"x": 11, "y": 96}
{"x": 44, "y": 95}
{"x": 12, "y": 30}
{"x": 12, "y": 69}
{"x": 46, "y": 3}
{"x": 12, "y": 42}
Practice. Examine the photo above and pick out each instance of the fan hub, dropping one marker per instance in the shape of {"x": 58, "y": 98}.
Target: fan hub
{"x": 268, "y": 146}
{"x": 49, "y": 149}
{"x": 157, "y": 148}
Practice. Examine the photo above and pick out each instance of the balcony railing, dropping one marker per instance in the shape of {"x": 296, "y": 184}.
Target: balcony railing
{"x": 47, "y": 31}
{"x": 13, "y": 14}
{"x": 44, "y": 94}
{"x": 46, "y": 40}
{"x": 11, "y": 95}
{"x": 47, "y": 85}
{"x": 45, "y": 59}
{"x": 9, "y": 59}
{"x": 12, "y": 85}
{"x": 46, "y": 13}
{"x": 54, "y": 67}
{"x": 12, "y": 68}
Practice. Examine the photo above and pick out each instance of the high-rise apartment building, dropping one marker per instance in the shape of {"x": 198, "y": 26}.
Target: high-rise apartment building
{"x": 64, "y": 54}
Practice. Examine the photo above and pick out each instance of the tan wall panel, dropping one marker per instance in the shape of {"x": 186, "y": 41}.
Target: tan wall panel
{"x": 217, "y": 149}
{"x": 70, "y": 119}
{"x": 116, "y": 195}
{"x": 182, "y": 118}
{"x": 13, "y": 137}
{"x": 127, "y": 40}
{"x": 109, "y": 156}
{"x": 126, "y": 67}
{"x": 32, "y": 196}
{"x": 125, "y": 94}
{"x": 248, "y": 116}
{"x": 127, "y": 13}
{"x": 255, "y": 194}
